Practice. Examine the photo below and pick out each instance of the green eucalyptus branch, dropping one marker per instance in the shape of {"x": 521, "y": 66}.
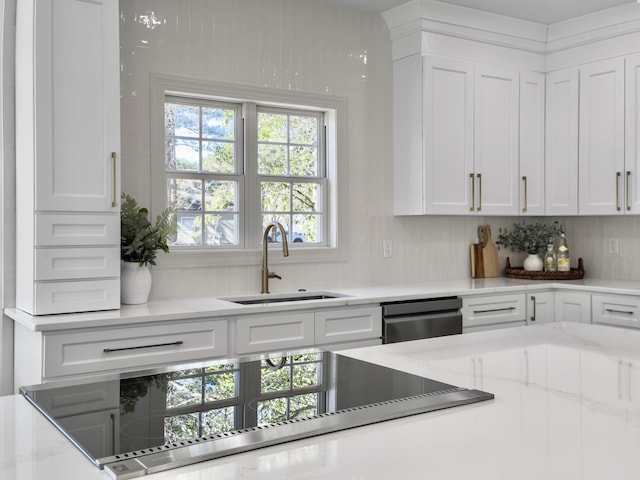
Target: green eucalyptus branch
{"x": 532, "y": 238}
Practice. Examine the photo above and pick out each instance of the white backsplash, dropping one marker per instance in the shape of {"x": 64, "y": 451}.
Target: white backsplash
{"x": 312, "y": 46}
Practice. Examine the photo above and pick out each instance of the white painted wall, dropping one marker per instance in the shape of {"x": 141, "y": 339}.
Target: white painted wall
{"x": 305, "y": 45}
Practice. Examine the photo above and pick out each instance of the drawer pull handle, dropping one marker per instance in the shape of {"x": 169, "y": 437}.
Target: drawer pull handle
{"x": 110, "y": 350}
{"x": 613, "y": 310}
{"x": 506, "y": 309}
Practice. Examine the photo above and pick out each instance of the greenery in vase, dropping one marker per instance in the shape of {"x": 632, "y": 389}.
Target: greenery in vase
{"x": 531, "y": 238}
{"x": 139, "y": 238}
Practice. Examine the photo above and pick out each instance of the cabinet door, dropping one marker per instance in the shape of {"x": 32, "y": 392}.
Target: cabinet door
{"x": 448, "y": 136}
{"x": 561, "y": 143}
{"x": 77, "y": 116}
{"x": 348, "y": 324}
{"x": 632, "y": 135}
{"x": 496, "y": 140}
{"x": 540, "y": 308}
{"x": 273, "y": 332}
{"x": 532, "y": 88}
{"x": 573, "y": 307}
{"x": 601, "y": 160}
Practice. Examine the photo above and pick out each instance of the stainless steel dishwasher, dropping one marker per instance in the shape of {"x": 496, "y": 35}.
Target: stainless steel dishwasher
{"x": 416, "y": 319}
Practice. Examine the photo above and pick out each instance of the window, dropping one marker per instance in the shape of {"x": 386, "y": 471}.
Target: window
{"x": 231, "y": 159}
{"x": 206, "y": 171}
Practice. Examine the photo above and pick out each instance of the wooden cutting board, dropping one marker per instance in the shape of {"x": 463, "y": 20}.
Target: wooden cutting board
{"x": 484, "y": 256}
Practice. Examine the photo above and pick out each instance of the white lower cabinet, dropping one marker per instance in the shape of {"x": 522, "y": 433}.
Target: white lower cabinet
{"x": 617, "y": 310}
{"x": 47, "y": 356}
{"x": 263, "y": 333}
{"x": 540, "y": 308}
{"x": 61, "y": 354}
{"x": 487, "y": 312}
{"x": 348, "y": 325}
{"x": 572, "y": 307}
{"x": 326, "y": 328}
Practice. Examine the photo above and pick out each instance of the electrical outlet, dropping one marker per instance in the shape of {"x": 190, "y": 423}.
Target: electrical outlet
{"x": 613, "y": 246}
{"x": 387, "y": 248}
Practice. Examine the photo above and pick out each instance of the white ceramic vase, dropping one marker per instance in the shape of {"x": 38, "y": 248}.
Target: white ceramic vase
{"x": 135, "y": 283}
{"x": 533, "y": 263}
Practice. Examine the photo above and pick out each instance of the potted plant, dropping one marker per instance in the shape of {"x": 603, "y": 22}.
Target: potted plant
{"x": 140, "y": 241}
{"x": 531, "y": 238}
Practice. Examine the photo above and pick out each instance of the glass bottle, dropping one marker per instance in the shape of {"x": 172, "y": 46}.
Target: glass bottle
{"x": 563, "y": 255}
{"x": 550, "y": 259}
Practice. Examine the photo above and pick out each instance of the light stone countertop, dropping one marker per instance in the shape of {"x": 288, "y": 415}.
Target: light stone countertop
{"x": 567, "y": 406}
{"x": 208, "y": 307}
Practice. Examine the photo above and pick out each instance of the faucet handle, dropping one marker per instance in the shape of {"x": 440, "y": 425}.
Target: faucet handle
{"x": 274, "y": 275}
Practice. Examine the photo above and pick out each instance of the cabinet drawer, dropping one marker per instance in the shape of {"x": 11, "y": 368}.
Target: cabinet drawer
{"x": 346, "y": 325}
{"x": 70, "y": 230}
{"x": 493, "y": 309}
{"x": 620, "y": 311}
{"x": 76, "y": 296}
{"x": 76, "y": 263}
{"x": 261, "y": 333}
{"x": 132, "y": 347}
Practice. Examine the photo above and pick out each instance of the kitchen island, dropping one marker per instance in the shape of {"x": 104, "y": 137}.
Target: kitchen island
{"x": 567, "y": 406}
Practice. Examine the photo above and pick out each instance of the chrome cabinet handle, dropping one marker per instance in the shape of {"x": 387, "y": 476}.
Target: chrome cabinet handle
{"x": 618, "y": 191}
{"x": 506, "y": 309}
{"x": 533, "y": 300}
{"x": 524, "y": 179}
{"x": 139, "y": 347}
{"x": 473, "y": 192}
{"x": 479, "y": 192}
{"x": 114, "y": 202}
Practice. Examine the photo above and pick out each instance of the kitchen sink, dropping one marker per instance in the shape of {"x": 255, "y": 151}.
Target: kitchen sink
{"x": 278, "y": 298}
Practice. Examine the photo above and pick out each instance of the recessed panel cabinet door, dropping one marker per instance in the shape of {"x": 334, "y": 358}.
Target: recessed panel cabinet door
{"x": 632, "y": 135}
{"x": 77, "y": 122}
{"x": 496, "y": 139}
{"x": 448, "y": 136}
{"x": 561, "y": 145}
{"x": 601, "y": 159}
{"x": 532, "y": 87}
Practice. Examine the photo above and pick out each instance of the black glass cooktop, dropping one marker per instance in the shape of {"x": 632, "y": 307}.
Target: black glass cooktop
{"x": 134, "y": 424}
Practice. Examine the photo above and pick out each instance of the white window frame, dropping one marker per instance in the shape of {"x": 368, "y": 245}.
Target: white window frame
{"x": 335, "y": 114}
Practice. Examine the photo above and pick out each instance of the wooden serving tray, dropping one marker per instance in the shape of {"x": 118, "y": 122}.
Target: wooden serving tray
{"x": 520, "y": 272}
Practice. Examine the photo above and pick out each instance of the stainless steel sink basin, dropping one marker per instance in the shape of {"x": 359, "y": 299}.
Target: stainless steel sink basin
{"x": 297, "y": 297}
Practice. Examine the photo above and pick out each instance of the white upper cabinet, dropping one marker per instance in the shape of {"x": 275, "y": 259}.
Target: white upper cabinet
{"x": 76, "y": 106}
{"x": 456, "y": 152}
{"x": 561, "y": 143}
{"x": 532, "y": 121}
{"x": 632, "y": 136}
{"x": 496, "y": 140}
{"x": 601, "y": 144}
{"x": 448, "y": 135}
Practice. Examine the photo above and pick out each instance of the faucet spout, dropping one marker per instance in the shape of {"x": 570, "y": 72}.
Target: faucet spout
{"x": 266, "y": 274}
